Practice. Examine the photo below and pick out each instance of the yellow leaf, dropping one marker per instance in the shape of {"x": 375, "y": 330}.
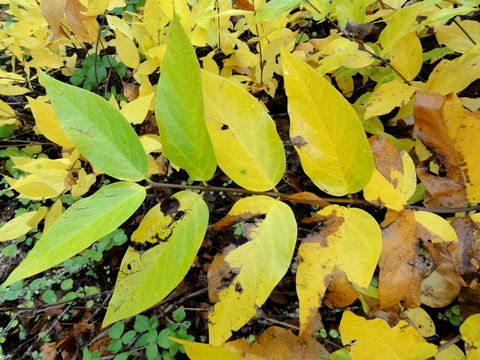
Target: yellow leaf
{"x": 199, "y": 351}
{"x": 7, "y": 115}
{"x": 454, "y": 38}
{"x": 127, "y": 51}
{"x": 47, "y": 122}
{"x": 349, "y": 240}
{"x": 137, "y": 110}
{"x": 394, "y": 179}
{"x": 83, "y": 184}
{"x": 22, "y": 224}
{"x": 406, "y": 56}
{"x": 246, "y": 144}
{"x": 470, "y": 331}
{"x": 376, "y": 340}
{"x": 12, "y": 90}
{"x": 118, "y": 24}
{"x": 387, "y": 97}
{"x": 326, "y": 131}
{"x": 84, "y": 26}
{"x": 259, "y": 264}
{"x": 421, "y": 321}
{"x": 455, "y": 75}
{"x": 151, "y": 143}
{"x": 437, "y": 227}
{"x": 452, "y": 352}
{"x": 334, "y": 54}
{"x": 53, "y": 214}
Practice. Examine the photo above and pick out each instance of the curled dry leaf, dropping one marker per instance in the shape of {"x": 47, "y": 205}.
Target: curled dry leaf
{"x": 340, "y": 292}
{"x": 466, "y": 255}
{"x": 452, "y": 135}
{"x": 85, "y": 27}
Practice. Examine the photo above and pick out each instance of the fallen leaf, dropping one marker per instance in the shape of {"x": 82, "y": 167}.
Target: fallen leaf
{"x": 387, "y": 97}
{"x": 470, "y": 331}
{"x": 22, "y": 224}
{"x": 85, "y": 27}
{"x": 420, "y": 320}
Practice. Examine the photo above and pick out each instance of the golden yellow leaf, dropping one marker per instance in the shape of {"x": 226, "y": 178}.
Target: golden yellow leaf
{"x": 376, "y": 340}
{"x": 421, "y": 321}
{"x": 7, "y": 115}
{"x": 53, "y": 214}
{"x": 136, "y": 110}
{"x": 199, "y": 351}
{"x": 258, "y": 264}
{"x": 151, "y": 143}
{"x": 387, "y": 97}
{"x": 394, "y": 179}
{"x": 334, "y": 154}
{"x": 350, "y": 240}
{"x": 438, "y": 228}
{"x": 334, "y": 54}
{"x": 453, "y": 37}
{"x": 455, "y": 75}
{"x": 470, "y": 331}
{"x": 47, "y": 122}
{"x": 127, "y": 50}
{"x": 406, "y": 56}
{"x": 22, "y": 224}
{"x": 246, "y": 144}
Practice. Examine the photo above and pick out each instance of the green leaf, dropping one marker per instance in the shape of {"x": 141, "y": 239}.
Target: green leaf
{"x": 326, "y": 131}
{"x": 179, "y": 108}
{"x": 115, "y": 346}
{"x": 79, "y": 226}
{"x": 49, "y": 297}
{"x": 99, "y": 131}
{"x": 274, "y": 8}
{"x": 152, "y": 352}
{"x": 122, "y": 356}
{"x": 146, "y": 278}
{"x": 179, "y": 314}
{"x": 116, "y": 330}
{"x": 128, "y": 336}
{"x": 163, "y": 338}
{"x": 141, "y": 323}
{"x": 244, "y": 137}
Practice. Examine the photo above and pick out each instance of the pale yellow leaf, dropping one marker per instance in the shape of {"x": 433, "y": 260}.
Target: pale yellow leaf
{"x": 470, "y": 331}
{"x": 118, "y": 24}
{"x": 7, "y": 115}
{"x": 83, "y": 183}
{"x": 22, "y": 224}
{"x": 53, "y": 214}
{"x": 387, "y": 97}
{"x": 136, "y": 110}
{"x": 453, "y": 37}
{"x": 376, "y": 340}
{"x": 350, "y": 240}
{"x": 438, "y": 228}
{"x": 151, "y": 143}
{"x": 452, "y": 352}
{"x": 421, "y": 321}
{"x": 127, "y": 50}
{"x": 260, "y": 264}
{"x": 199, "y": 351}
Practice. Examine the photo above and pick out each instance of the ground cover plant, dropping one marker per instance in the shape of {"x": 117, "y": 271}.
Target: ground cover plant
{"x": 218, "y": 179}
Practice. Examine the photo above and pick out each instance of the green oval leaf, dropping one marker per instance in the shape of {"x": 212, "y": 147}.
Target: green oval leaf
{"x": 254, "y": 268}
{"x": 179, "y": 108}
{"x": 146, "y": 278}
{"x": 325, "y": 131}
{"x": 99, "y": 131}
{"x": 79, "y": 226}
{"x": 246, "y": 143}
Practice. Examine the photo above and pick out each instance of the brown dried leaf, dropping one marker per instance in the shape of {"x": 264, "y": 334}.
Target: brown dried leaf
{"x": 84, "y": 27}
{"x": 306, "y": 197}
{"x": 279, "y": 344}
{"x": 340, "y": 292}
{"x": 466, "y": 253}
{"x": 400, "y": 270}
{"x": 54, "y": 12}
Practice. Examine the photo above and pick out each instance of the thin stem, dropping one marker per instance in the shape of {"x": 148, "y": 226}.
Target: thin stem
{"x": 320, "y": 202}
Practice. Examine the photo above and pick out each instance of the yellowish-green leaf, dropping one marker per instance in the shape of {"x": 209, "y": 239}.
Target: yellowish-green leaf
{"x": 399, "y": 24}
{"x": 47, "y": 122}
{"x": 334, "y": 54}
{"x": 53, "y": 214}
{"x": 260, "y": 264}
{"x": 246, "y": 144}
{"x": 180, "y": 110}
{"x": 387, "y": 97}
{"x": 146, "y": 278}
{"x": 437, "y": 227}
{"x": 394, "y": 179}
{"x": 349, "y": 240}
{"x": 470, "y": 331}
{"x": 452, "y": 352}
{"x": 406, "y": 56}
{"x": 326, "y": 131}
{"x": 79, "y": 226}
{"x": 376, "y": 340}
{"x": 199, "y": 351}
{"x": 455, "y": 75}
{"x": 22, "y": 224}
{"x": 99, "y": 131}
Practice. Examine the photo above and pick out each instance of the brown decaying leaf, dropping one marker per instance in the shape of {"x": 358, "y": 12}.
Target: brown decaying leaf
{"x": 227, "y": 222}
{"x": 279, "y": 344}
{"x": 443, "y": 285}
{"x": 54, "y": 12}
{"x": 84, "y": 27}
{"x": 307, "y": 197}
{"x": 131, "y": 91}
{"x": 451, "y": 133}
{"x": 386, "y": 156}
{"x": 466, "y": 253}
{"x": 469, "y": 299}
{"x": 340, "y": 292}
{"x": 220, "y": 275}
{"x": 401, "y": 271}
{"x": 244, "y": 5}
